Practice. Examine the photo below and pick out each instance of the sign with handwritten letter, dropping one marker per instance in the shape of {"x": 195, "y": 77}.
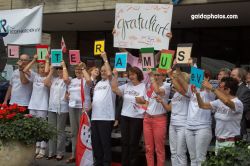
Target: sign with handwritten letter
{"x": 121, "y": 61}
{"x": 196, "y": 77}
{"x": 13, "y": 51}
{"x": 142, "y": 25}
{"x": 74, "y": 57}
{"x": 183, "y": 53}
{"x": 56, "y": 57}
{"x": 99, "y": 47}
{"x": 166, "y": 60}
{"x": 42, "y": 51}
{"x": 147, "y": 55}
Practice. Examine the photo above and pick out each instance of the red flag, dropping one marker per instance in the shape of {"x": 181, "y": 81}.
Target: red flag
{"x": 63, "y": 46}
{"x": 84, "y": 154}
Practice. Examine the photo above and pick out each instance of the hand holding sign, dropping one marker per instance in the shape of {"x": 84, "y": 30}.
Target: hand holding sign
{"x": 196, "y": 77}
{"x": 207, "y": 85}
{"x": 115, "y": 72}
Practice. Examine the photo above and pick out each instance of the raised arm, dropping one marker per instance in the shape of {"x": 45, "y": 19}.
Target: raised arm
{"x": 47, "y": 66}
{"x": 182, "y": 82}
{"x": 223, "y": 97}
{"x": 114, "y": 84}
{"x": 106, "y": 64}
{"x": 7, "y": 95}
{"x": 176, "y": 82}
{"x": 28, "y": 67}
{"x": 65, "y": 73}
{"x": 47, "y": 81}
{"x": 86, "y": 74}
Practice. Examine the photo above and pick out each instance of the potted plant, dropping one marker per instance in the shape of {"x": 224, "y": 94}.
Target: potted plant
{"x": 230, "y": 156}
{"x": 19, "y": 132}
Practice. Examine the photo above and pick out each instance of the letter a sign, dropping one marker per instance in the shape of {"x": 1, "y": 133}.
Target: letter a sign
{"x": 166, "y": 60}
{"x": 196, "y": 77}
{"x": 183, "y": 53}
{"x": 99, "y": 47}
{"x": 147, "y": 58}
{"x": 121, "y": 61}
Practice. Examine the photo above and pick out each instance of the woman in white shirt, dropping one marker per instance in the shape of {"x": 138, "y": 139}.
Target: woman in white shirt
{"x": 155, "y": 119}
{"x": 198, "y": 125}
{"x": 39, "y": 100}
{"x": 131, "y": 115}
{"x": 78, "y": 88}
{"x": 58, "y": 109}
{"x": 103, "y": 116}
{"x": 228, "y": 111}
{"x": 179, "y": 110}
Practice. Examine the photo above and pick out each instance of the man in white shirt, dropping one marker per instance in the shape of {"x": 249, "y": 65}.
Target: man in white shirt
{"x": 20, "y": 88}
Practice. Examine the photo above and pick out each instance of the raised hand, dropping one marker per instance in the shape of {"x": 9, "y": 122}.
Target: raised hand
{"x": 115, "y": 72}
{"x": 63, "y": 64}
{"x": 104, "y": 55}
{"x": 207, "y": 85}
{"x": 169, "y": 35}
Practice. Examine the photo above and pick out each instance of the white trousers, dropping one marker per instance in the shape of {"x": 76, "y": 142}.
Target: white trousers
{"x": 198, "y": 142}
{"x": 40, "y": 114}
{"x": 178, "y": 145}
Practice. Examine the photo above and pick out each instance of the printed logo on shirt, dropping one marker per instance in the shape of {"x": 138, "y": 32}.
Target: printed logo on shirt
{"x": 101, "y": 88}
{"x": 131, "y": 93}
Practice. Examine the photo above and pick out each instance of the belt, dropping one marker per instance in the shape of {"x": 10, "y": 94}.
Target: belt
{"x": 146, "y": 115}
{"x": 229, "y": 139}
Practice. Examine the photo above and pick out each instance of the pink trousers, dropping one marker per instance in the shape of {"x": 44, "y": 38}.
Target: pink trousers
{"x": 154, "y": 130}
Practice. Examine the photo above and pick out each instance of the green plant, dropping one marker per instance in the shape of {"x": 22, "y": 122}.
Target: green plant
{"x": 230, "y": 156}
{"x": 16, "y": 125}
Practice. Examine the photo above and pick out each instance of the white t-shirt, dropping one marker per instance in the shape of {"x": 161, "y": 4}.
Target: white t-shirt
{"x": 74, "y": 89}
{"x": 227, "y": 120}
{"x": 103, "y": 105}
{"x": 129, "y": 92}
{"x": 155, "y": 108}
{"x": 40, "y": 95}
{"x": 179, "y": 110}
{"x": 20, "y": 93}
{"x": 199, "y": 118}
{"x": 57, "y": 101}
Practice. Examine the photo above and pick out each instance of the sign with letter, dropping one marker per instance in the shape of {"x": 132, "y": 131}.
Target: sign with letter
{"x": 147, "y": 55}
{"x": 56, "y": 57}
{"x": 21, "y": 26}
{"x": 41, "y": 51}
{"x": 142, "y": 25}
{"x": 99, "y": 47}
{"x": 13, "y": 51}
{"x": 166, "y": 60}
{"x": 74, "y": 57}
{"x": 121, "y": 61}
{"x": 183, "y": 53}
{"x": 196, "y": 77}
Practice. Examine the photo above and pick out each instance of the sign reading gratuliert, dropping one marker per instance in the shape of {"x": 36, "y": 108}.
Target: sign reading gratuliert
{"x": 142, "y": 25}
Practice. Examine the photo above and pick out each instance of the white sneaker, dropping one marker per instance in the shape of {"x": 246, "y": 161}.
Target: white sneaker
{"x": 37, "y": 150}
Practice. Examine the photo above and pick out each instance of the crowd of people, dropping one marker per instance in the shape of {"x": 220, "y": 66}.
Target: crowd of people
{"x": 50, "y": 93}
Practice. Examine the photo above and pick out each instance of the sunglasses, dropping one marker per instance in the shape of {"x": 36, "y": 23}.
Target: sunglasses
{"x": 58, "y": 68}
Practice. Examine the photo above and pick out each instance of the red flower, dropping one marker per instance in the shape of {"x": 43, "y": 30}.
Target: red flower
{"x": 10, "y": 116}
{"x": 1, "y": 116}
{"x": 2, "y": 112}
{"x": 22, "y": 109}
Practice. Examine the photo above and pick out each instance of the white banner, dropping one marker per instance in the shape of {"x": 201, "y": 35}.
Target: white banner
{"x": 21, "y": 26}
{"x": 142, "y": 25}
